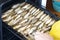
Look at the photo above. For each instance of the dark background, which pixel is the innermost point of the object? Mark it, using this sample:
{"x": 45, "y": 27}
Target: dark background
{"x": 1, "y": 1}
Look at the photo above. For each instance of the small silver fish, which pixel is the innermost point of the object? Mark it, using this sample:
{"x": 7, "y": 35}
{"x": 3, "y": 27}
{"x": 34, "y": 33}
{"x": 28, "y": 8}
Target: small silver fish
{"x": 21, "y": 29}
{"x": 46, "y": 18}
{"x": 23, "y": 21}
{"x": 30, "y": 16}
{"x": 18, "y": 16}
{"x": 20, "y": 11}
{"x": 15, "y": 6}
{"x": 26, "y": 31}
{"x": 17, "y": 9}
{"x": 18, "y": 5}
{"x": 20, "y": 24}
{"x": 51, "y": 23}
{"x": 48, "y": 21}
{"x": 30, "y": 19}
{"x": 27, "y": 15}
{"x": 32, "y": 29}
{"x": 44, "y": 26}
{"x": 34, "y": 20}
{"x": 17, "y": 26}
{"x": 37, "y": 23}
{"x": 28, "y": 26}
{"x": 32, "y": 9}
{"x": 29, "y": 7}
{"x": 13, "y": 22}
{"x": 42, "y": 16}
{"x": 8, "y": 19}
{"x": 7, "y": 13}
{"x": 36, "y": 11}
{"x": 41, "y": 25}
{"x": 26, "y": 6}
{"x": 23, "y": 13}
{"x": 39, "y": 15}
{"x": 22, "y": 4}
{"x": 45, "y": 29}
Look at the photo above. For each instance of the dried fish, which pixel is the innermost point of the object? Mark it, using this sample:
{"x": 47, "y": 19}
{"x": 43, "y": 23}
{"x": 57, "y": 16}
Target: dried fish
{"x": 18, "y": 5}
{"x": 41, "y": 29}
{"x": 51, "y": 23}
{"x": 15, "y": 6}
{"x": 29, "y": 7}
{"x": 32, "y": 29}
{"x": 42, "y": 16}
{"x": 34, "y": 20}
{"x": 17, "y": 9}
{"x": 26, "y": 23}
{"x": 32, "y": 9}
{"x": 14, "y": 22}
{"x": 30, "y": 16}
{"x": 20, "y": 11}
{"x": 45, "y": 29}
{"x": 22, "y": 4}
{"x": 28, "y": 26}
{"x": 27, "y": 15}
{"x": 8, "y": 19}
{"x": 37, "y": 23}
{"x": 13, "y": 17}
{"x": 17, "y": 17}
{"x": 46, "y": 18}
{"x": 30, "y": 19}
{"x": 23, "y": 21}
{"x": 22, "y": 29}
{"x": 39, "y": 15}
{"x": 26, "y": 6}
{"x": 17, "y": 26}
{"x": 41, "y": 25}
{"x": 23, "y": 13}
{"x": 26, "y": 31}
{"x": 36, "y": 12}
{"x": 7, "y": 13}
{"x": 48, "y": 21}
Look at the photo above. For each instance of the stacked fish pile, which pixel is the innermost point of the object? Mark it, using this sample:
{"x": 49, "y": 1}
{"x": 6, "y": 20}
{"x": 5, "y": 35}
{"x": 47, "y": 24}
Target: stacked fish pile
{"x": 27, "y": 19}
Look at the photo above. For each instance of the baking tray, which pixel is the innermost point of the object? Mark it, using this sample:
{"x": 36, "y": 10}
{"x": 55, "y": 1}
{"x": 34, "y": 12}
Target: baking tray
{"x": 8, "y": 4}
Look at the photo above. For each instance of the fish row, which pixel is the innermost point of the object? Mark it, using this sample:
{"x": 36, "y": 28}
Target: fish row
{"x": 27, "y": 19}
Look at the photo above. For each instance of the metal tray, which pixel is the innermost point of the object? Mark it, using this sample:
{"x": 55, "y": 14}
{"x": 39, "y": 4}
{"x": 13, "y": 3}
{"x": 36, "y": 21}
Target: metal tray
{"x": 8, "y": 4}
